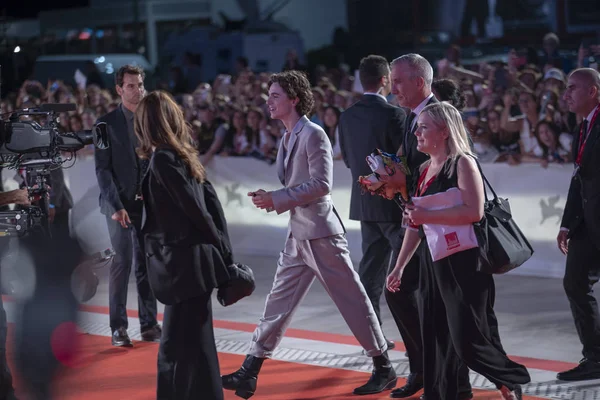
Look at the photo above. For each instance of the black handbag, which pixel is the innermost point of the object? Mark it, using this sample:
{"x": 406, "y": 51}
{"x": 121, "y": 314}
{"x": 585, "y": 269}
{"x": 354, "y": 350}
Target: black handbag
{"x": 503, "y": 247}
{"x": 240, "y": 284}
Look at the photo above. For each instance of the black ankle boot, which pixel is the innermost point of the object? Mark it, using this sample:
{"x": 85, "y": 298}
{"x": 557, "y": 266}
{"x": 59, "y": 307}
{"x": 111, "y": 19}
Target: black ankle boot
{"x": 382, "y": 378}
{"x": 243, "y": 381}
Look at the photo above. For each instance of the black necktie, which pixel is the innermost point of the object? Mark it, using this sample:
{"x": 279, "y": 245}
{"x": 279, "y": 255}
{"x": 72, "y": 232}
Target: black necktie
{"x": 411, "y": 119}
{"x": 408, "y": 132}
{"x": 585, "y": 130}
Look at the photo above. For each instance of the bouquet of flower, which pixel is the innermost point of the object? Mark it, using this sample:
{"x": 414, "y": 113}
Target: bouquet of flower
{"x": 387, "y": 164}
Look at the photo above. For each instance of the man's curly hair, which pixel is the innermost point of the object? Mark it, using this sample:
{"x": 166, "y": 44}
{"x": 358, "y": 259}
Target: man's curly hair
{"x": 296, "y": 85}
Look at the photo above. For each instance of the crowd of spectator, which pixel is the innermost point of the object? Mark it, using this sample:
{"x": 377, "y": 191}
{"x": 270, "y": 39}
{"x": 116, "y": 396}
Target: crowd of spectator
{"x": 513, "y": 106}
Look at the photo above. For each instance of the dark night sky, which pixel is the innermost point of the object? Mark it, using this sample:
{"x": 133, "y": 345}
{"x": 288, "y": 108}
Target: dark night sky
{"x": 30, "y": 8}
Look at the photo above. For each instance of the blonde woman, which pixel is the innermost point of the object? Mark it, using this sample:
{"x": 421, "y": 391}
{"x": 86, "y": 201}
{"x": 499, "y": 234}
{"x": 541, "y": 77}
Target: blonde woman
{"x": 458, "y": 323}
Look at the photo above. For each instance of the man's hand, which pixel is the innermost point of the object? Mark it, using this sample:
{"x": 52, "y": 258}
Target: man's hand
{"x": 563, "y": 242}
{"x": 262, "y": 199}
{"x": 18, "y": 196}
{"x": 396, "y": 181}
{"x": 122, "y": 217}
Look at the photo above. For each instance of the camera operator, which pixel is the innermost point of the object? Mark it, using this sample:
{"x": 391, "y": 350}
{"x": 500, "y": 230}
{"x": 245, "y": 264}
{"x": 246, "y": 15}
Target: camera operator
{"x": 119, "y": 172}
{"x": 20, "y": 197}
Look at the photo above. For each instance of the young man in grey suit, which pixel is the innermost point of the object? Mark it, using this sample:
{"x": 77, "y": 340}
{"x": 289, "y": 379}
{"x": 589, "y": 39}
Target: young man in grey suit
{"x": 316, "y": 245}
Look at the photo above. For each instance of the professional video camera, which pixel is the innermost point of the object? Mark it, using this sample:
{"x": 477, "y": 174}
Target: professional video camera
{"x": 37, "y": 148}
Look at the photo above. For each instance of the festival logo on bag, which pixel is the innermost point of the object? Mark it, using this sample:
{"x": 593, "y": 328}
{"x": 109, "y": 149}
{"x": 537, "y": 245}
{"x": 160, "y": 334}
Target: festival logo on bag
{"x": 452, "y": 240}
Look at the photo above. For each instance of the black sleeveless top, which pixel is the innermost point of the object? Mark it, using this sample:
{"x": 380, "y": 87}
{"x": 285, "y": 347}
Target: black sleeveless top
{"x": 440, "y": 183}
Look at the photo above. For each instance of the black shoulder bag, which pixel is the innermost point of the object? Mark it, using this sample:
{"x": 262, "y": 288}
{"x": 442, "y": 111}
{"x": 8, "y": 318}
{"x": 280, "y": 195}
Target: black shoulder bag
{"x": 503, "y": 247}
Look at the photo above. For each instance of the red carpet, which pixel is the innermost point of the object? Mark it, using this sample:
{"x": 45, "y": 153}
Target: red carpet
{"x": 100, "y": 372}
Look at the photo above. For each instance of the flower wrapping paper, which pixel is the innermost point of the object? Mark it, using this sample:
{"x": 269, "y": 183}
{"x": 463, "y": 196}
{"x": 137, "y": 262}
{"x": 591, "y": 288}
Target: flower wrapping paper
{"x": 381, "y": 163}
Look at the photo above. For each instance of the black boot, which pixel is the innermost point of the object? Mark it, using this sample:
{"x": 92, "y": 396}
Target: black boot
{"x": 243, "y": 381}
{"x": 382, "y": 378}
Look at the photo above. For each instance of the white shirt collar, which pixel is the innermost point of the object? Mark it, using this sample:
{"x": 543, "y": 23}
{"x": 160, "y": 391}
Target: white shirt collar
{"x": 420, "y": 108}
{"x": 422, "y": 105}
{"x": 591, "y": 114}
{"x": 376, "y": 94}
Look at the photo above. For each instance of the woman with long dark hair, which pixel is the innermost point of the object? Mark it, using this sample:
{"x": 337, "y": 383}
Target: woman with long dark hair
{"x": 183, "y": 249}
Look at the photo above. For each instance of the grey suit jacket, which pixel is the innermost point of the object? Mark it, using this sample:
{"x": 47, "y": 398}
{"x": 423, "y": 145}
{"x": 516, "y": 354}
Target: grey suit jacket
{"x": 306, "y": 171}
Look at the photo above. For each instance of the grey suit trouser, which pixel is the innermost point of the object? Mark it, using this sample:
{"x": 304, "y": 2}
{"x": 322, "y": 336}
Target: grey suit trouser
{"x": 328, "y": 260}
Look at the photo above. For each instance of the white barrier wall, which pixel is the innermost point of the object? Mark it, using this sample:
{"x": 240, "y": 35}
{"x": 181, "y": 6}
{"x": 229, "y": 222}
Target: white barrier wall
{"x": 537, "y": 197}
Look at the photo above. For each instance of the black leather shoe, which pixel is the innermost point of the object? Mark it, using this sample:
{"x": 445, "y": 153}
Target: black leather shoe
{"x": 120, "y": 338}
{"x": 244, "y": 380}
{"x": 153, "y": 334}
{"x": 461, "y": 396}
{"x": 414, "y": 383}
{"x": 382, "y": 378}
{"x": 586, "y": 370}
{"x": 390, "y": 344}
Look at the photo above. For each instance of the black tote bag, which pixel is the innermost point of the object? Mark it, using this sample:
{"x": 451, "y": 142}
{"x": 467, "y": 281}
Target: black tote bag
{"x": 503, "y": 247}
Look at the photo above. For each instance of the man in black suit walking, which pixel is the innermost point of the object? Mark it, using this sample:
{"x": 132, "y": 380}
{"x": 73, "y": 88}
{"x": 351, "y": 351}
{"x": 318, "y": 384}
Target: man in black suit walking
{"x": 119, "y": 171}
{"x": 579, "y": 235}
{"x": 412, "y": 76}
{"x": 373, "y": 123}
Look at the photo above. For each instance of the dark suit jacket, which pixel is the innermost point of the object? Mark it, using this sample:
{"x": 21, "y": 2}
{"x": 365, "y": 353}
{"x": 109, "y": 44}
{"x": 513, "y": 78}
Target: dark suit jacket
{"x": 413, "y": 156}
{"x": 117, "y": 167}
{"x": 369, "y": 124}
{"x": 583, "y": 200}
{"x": 183, "y": 244}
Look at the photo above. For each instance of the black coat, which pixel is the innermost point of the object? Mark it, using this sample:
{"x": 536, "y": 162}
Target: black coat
{"x": 186, "y": 250}
{"x": 369, "y": 124}
{"x": 117, "y": 167}
{"x": 583, "y": 200}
